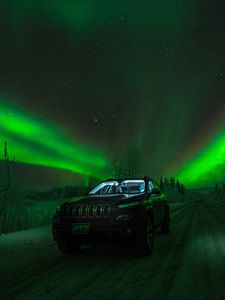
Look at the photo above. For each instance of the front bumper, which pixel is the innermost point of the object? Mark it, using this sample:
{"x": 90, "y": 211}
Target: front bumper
{"x": 100, "y": 231}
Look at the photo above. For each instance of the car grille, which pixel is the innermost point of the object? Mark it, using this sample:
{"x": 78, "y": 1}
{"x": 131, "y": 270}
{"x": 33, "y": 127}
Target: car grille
{"x": 86, "y": 211}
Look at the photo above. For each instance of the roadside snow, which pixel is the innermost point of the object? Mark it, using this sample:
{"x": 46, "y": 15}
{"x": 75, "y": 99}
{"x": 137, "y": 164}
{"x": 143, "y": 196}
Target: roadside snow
{"x": 17, "y": 241}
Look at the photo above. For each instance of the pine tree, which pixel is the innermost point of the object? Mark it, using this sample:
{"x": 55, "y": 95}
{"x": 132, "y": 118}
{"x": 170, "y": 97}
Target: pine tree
{"x": 177, "y": 185}
{"x": 120, "y": 170}
{"x": 161, "y": 184}
{"x": 166, "y": 182}
{"x": 129, "y": 165}
{"x": 133, "y": 160}
{"x": 5, "y": 192}
{"x": 172, "y": 182}
{"x": 217, "y": 188}
{"x": 217, "y": 191}
{"x": 223, "y": 188}
{"x": 182, "y": 189}
{"x": 223, "y": 191}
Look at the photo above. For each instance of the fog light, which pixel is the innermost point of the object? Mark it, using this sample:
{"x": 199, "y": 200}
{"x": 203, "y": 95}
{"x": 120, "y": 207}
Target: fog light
{"x": 123, "y": 218}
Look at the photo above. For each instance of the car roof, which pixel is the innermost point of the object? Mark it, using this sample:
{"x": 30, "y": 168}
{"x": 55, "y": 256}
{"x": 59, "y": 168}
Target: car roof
{"x": 130, "y": 178}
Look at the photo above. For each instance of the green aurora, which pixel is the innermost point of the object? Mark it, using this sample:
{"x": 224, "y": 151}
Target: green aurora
{"x": 207, "y": 164}
{"x": 37, "y": 142}
{"x": 149, "y": 73}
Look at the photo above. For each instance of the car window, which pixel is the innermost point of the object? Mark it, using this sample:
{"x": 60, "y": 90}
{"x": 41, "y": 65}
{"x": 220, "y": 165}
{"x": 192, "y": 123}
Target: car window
{"x": 115, "y": 187}
{"x": 107, "y": 189}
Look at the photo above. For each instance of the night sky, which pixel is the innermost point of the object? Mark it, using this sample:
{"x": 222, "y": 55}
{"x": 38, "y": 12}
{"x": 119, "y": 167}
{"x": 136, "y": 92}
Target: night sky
{"x": 82, "y": 81}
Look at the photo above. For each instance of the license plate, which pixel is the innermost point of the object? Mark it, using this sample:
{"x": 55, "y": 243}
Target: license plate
{"x": 81, "y": 228}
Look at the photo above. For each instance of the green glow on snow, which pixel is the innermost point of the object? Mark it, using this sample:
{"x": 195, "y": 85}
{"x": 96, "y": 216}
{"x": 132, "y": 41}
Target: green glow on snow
{"x": 38, "y": 142}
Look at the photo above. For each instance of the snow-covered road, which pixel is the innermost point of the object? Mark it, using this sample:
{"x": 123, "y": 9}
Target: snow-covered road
{"x": 187, "y": 264}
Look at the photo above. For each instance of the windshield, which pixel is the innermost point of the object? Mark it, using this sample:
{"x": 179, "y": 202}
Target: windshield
{"x": 119, "y": 187}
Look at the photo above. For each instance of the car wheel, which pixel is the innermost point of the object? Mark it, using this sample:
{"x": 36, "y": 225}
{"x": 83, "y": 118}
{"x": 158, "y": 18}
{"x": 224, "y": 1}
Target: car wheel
{"x": 68, "y": 247}
{"x": 165, "y": 226}
{"x": 146, "y": 237}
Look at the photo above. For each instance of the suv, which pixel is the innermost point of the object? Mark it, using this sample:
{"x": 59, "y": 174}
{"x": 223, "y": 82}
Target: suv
{"x": 115, "y": 208}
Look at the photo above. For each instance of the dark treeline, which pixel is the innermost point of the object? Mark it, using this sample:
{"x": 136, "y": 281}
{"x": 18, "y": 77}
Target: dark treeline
{"x": 17, "y": 208}
{"x": 7, "y": 192}
{"x": 219, "y": 192}
{"x": 57, "y": 193}
{"x": 129, "y": 165}
{"x": 171, "y": 184}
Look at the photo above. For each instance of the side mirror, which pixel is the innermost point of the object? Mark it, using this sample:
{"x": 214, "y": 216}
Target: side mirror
{"x": 156, "y": 191}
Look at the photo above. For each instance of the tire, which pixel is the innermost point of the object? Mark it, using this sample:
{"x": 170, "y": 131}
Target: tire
{"x": 68, "y": 247}
{"x": 165, "y": 226}
{"x": 146, "y": 237}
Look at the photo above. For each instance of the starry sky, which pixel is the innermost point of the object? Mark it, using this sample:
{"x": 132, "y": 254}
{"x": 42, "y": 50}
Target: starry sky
{"x": 82, "y": 81}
